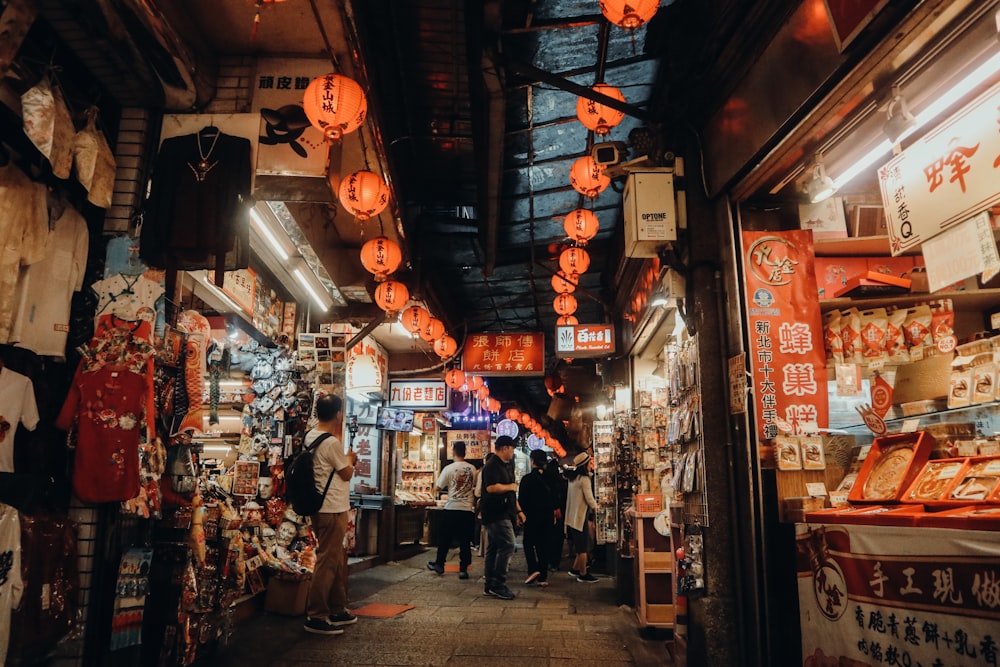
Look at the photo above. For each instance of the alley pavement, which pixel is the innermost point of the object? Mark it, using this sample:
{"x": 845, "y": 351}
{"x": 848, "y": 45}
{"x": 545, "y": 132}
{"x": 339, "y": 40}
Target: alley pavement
{"x": 453, "y": 623}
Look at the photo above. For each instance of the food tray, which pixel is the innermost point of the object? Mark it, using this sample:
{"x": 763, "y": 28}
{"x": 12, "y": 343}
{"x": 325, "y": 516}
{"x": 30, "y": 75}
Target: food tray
{"x": 977, "y": 482}
{"x": 932, "y": 484}
{"x": 890, "y": 467}
{"x": 976, "y": 517}
{"x": 869, "y": 515}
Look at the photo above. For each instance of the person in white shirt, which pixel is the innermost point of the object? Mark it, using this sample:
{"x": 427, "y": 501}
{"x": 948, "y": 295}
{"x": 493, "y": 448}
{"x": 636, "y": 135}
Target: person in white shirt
{"x": 580, "y": 499}
{"x": 458, "y": 518}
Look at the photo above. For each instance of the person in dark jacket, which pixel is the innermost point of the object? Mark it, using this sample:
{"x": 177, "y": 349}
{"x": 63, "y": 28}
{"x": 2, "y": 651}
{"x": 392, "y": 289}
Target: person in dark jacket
{"x": 538, "y": 503}
{"x": 553, "y": 475}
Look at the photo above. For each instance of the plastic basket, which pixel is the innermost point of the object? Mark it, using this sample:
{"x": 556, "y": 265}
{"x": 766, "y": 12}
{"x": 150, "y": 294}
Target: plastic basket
{"x": 646, "y": 503}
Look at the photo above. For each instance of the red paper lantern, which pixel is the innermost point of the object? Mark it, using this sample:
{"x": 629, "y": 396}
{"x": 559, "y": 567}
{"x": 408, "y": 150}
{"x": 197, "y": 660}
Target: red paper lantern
{"x": 493, "y": 405}
{"x": 563, "y": 284}
{"x": 381, "y": 256}
{"x": 445, "y": 346}
{"x": 574, "y": 260}
{"x": 364, "y": 194}
{"x": 433, "y": 330}
{"x": 587, "y": 177}
{"x": 512, "y": 414}
{"x": 567, "y": 321}
{"x": 581, "y": 225}
{"x": 596, "y": 116}
{"x": 629, "y": 14}
{"x": 391, "y": 295}
{"x": 414, "y": 319}
{"x": 454, "y": 378}
{"x": 565, "y": 304}
{"x": 483, "y": 393}
{"x": 335, "y": 105}
{"x": 474, "y": 382}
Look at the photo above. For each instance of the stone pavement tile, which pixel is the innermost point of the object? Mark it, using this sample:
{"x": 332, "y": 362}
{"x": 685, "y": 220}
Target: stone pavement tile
{"x": 589, "y": 652}
{"x": 564, "y": 625}
{"x": 409, "y": 656}
{"x": 513, "y": 652}
{"x": 495, "y": 661}
{"x": 577, "y": 662}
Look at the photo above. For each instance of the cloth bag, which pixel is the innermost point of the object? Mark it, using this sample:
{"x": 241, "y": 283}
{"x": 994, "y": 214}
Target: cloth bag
{"x": 94, "y": 162}
{"x": 48, "y": 124}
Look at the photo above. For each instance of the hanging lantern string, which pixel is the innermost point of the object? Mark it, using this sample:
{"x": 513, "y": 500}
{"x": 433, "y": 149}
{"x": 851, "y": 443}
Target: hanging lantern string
{"x": 326, "y": 38}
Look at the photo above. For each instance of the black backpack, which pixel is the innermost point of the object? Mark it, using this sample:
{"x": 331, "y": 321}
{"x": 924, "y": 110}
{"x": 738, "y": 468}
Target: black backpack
{"x": 300, "y": 481}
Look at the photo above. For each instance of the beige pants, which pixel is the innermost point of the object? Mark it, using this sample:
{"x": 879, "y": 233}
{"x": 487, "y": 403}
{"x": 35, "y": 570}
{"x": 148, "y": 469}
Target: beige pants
{"x": 328, "y": 593}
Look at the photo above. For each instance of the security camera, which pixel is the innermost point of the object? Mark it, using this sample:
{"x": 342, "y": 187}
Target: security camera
{"x": 609, "y": 153}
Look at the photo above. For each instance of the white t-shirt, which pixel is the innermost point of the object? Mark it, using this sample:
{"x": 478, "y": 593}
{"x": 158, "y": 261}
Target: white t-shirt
{"x": 11, "y": 586}
{"x": 17, "y": 404}
{"x": 458, "y": 479}
{"x": 128, "y": 297}
{"x": 330, "y": 456}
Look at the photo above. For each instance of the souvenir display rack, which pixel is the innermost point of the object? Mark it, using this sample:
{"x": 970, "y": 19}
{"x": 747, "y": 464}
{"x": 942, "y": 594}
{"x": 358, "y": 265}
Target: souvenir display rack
{"x": 683, "y": 479}
{"x": 605, "y": 482}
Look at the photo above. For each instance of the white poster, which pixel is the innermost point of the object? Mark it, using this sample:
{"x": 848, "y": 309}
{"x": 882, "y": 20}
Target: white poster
{"x": 965, "y": 250}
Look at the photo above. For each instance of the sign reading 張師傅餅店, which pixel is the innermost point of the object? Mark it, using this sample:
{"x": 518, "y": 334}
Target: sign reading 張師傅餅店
{"x": 418, "y": 394}
{"x": 946, "y": 177}
{"x": 585, "y": 340}
{"x": 504, "y": 354}
{"x": 787, "y": 358}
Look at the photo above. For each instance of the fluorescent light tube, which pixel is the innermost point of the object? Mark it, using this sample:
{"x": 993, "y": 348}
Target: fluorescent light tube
{"x": 307, "y": 286}
{"x": 225, "y": 297}
{"x": 265, "y": 230}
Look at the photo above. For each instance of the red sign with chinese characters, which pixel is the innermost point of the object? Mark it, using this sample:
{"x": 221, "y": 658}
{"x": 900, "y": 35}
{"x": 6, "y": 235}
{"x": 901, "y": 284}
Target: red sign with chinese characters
{"x": 785, "y": 331}
{"x": 585, "y": 340}
{"x": 504, "y": 354}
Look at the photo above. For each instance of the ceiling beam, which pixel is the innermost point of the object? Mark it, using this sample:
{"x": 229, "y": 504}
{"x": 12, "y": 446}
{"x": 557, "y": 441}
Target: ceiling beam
{"x": 532, "y": 72}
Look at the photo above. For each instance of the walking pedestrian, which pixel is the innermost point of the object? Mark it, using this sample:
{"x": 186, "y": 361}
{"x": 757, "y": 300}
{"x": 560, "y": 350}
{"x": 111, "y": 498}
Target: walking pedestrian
{"x": 538, "y": 503}
{"x": 326, "y": 606}
{"x": 500, "y": 513}
{"x": 557, "y": 537}
{"x": 580, "y": 499}
{"x": 458, "y": 517}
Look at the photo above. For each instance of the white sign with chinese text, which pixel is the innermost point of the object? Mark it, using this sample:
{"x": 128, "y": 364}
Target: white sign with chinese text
{"x": 962, "y": 251}
{"x": 420, "y": 394}
{"x": 948, "y": 176}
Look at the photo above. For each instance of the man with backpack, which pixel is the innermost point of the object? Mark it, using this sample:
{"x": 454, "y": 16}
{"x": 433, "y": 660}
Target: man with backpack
{"x": 326, "y": 607}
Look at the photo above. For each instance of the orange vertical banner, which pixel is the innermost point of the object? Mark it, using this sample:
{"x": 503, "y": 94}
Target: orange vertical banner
{"x": 786, "y": 332}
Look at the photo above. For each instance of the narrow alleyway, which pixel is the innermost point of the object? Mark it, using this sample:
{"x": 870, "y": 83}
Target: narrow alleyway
{"x": 452, "y": 623}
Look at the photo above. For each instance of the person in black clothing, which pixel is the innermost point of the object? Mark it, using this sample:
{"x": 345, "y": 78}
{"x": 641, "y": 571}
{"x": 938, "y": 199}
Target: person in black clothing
{"x": 553, "y": 475}
{"x": 538, "y": 503}
{"x": 500, "y": 512}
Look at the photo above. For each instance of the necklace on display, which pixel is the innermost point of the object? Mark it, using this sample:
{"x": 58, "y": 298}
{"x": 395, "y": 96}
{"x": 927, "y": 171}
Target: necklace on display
{"x": 201, "y": 169}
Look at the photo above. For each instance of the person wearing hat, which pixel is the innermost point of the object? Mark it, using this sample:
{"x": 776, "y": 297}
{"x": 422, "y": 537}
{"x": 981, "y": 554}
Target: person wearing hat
{"x": 500, "y": 511}
{"x": 579, "y": 499}
{"x": 539, "y": 503}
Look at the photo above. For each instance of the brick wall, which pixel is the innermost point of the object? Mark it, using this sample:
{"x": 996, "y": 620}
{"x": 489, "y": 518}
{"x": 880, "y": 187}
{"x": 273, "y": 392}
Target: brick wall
{"x": 130, "y": 159}
{"x": 233, "y": 89}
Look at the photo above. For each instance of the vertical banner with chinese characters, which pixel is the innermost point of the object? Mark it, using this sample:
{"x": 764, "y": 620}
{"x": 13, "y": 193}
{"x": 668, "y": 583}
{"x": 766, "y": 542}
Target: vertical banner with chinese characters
{"x": 785, "y": 330}
{"x": 504, "y": 354}
{"x": 884, "y": 595}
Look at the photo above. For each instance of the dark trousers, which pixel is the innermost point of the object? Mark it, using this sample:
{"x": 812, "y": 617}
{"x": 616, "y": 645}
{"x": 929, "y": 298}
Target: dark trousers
{"x": 556, "y": 539}
{"x": 499, "y": 547}
{"x": 455, "y": 524}
{"x": 536, "y": 546}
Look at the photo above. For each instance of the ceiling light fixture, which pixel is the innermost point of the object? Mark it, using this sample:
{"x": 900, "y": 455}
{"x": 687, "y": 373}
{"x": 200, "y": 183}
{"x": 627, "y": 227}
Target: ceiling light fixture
{"x": 323, "y": 304}
{"x": 820, "y": 187}
{"x": 898, "y": 120}
{"x": 268, "y": 235}
{"x": 659, "y": 298}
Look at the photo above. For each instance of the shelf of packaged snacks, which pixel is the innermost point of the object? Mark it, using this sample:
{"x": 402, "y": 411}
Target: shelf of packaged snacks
{"x": 854, "y": 246}
{"x": 977, "y": 299}
{"x": 968, "y": 413}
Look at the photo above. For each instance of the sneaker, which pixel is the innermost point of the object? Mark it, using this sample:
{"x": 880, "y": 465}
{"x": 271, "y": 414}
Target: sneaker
{"x": 434, "y": 567}
{"x": 543, "y": 584}
{"x": 346, "y": 618}
{"x": 464, "y": 574}
{"x": 573, "y": 573}
{"x": 321, "y": 626}
{"x": 531, "y": 577}
{"x": 588, "y": 578}
{"x": 502, "y": 593}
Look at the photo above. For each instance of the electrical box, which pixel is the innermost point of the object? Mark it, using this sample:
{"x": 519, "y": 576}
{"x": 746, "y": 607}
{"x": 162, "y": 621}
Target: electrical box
{"x": 650, "y": 212}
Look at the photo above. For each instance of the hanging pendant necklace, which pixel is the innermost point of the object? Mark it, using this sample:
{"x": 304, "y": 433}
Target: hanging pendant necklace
{"x": 201, "y": 169}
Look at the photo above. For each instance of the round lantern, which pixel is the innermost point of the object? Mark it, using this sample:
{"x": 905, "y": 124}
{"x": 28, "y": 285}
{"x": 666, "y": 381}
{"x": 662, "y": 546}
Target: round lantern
{"x": 474, "y": 382}
{"x": 567, "y": 321}
{"x": 433, "y": 330}
{"x": 507, "y": 427}
{"x": 391, "y": 295}
{"x": 512, "y": 413}
{"x": 414, "y": 319}
{"x": 563, "y": 284}
{"x": 335, "y": 105}
{"x": 596, "y": 116}
{"x": 364, "y": 194}
{"x": 454, "y": 378}
{"x": 574, "y": 260}
{"x": 565, "y": 304}
{"x": 483, "y": 393}
{"x": 445, "y": 346}
{"x": 493, "y": 405}
{"x": 629, "y": 14}
{"x": 587, "y": 177}
{"x": 581, "y": 225}
{"x": 381, "y": 256}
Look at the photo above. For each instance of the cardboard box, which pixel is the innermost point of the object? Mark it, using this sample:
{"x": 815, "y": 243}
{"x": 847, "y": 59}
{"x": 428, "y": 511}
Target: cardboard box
{"x": 923, "y": 380}
{"x": 287, "y": 596}
{"x": 871, "y": 283}
{"x": 897, "y": 267}
{"x": 832, "y": 273}
{"x": 890, "y": 467}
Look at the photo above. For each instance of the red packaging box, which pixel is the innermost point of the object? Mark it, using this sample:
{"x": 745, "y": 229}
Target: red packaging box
{"x": 934, "y": 481}
{"x": 832, "y": 273}
{"x": 890, "y": 467}
{"x": 893, "y": 266}
{"x": 869, "y": 515}
{"x": 977, "y": 482}
{"x": 976, "y": 517}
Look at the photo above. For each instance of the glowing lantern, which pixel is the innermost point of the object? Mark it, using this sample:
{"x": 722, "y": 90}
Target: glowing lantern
{"x": 433, "y": 330}
{"x": 581, "y": 225}
{"x": 335, "y": 105}
{"x": 381, "y": 256}
{"x": 587, "y": 177}
{"x": 454, "y": 378}
{"x": 474, "y": 382}
{"x": 574, "y": 260}
{"x": 445, "y": 346}
{"x": 629, "y": 14}
{"x": 565, "y": 304}
{"x": 414, "y": 319}
{"x": 493, "y": 405}
{"x": 596, "y": 116}
{"x": 563, "y": 284}
{"x": 391, "y": 295}
{"x": 483, "y": 393}
{"x": 512, "y": 413}
{"x": 567, "y": 321}
{"x": 364, "y": 194}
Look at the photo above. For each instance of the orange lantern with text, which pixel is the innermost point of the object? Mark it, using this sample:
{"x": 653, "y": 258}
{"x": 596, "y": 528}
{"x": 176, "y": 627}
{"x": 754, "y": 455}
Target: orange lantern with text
{"x": 581, "y": 225}
{"x": 433, "y": 330}
{"x": 565, "y": 304}
{"x": 381, "y": 256}
{"x": 474, "y": 382}
{"x": 493, "y": 405}
{"x": 391, "y": 295}
{"x": 454, "y": 378}
{"x": 335, "y": 105}
{"x": 414, "y": 319}
{"x": 574, "y": 260}
{"x": 445, "y": 346}
{"x": 364, "y": 194}
{"x": 629, "y": 14}
{"x": 565, "y": 284}
{"x": 587, "y": 177}
{"x": 567, "y": 321}
{"x": 512, "y": 414}
{"x": 596, "y": 116}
